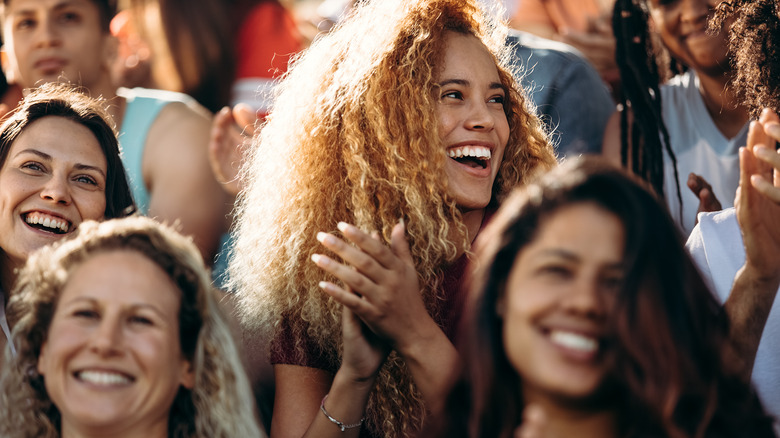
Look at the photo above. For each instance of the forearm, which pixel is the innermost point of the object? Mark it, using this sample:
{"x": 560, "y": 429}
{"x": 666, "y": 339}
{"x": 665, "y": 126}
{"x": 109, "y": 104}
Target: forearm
{"x": 433, "y": 362}
{"x": 748, "y": 308}
{"x": 346, "y": 402}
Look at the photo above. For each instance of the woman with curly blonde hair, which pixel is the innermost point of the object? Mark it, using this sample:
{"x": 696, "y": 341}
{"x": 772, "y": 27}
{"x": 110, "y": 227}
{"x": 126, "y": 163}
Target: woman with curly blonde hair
{"x": 404, "y": 113}
{"x": 118, "y": 333}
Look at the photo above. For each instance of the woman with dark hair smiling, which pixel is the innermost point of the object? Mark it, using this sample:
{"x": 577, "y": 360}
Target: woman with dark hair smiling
{"x": 59, "y": 166}
{"x": 585, "y": 317}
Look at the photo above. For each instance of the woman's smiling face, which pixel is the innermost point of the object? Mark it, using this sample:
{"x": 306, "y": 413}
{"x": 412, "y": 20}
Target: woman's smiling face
{"x": 112, "y": 360}
{"x": 472, "y": 121}
{"x": 53, "y": 178}
{"x": 557, "y": 301}
{"x": 682, "y": 26}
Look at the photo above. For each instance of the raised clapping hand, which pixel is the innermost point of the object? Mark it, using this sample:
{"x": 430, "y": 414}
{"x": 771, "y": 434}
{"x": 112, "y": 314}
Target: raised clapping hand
{"x": 230, "y": 132}
{"x": 382, "y": 287}
{"x": 703, "y": 190}
{"x": 758, "y": 198}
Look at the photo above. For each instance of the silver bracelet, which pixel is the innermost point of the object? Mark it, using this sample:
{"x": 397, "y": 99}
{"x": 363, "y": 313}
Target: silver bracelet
{"x": 338, "y": 423}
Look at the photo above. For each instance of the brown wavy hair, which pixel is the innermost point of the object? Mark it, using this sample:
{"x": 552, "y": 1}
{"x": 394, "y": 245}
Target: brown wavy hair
{"x": 219, "y": 405}
{"x": 754, "y": 41}
{"x": 353, "y": 136}
{"x": 670, "y": 372}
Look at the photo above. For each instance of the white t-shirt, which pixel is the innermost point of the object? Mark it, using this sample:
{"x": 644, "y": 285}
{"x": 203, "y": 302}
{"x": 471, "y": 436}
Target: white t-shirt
{"x": 716, "y": 247}
{"x": 699, "y": 147}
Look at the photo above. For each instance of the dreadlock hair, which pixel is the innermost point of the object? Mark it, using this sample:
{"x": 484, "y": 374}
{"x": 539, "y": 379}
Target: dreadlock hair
{"x": 754, "y": 42}
{"x": 643, "y": 64}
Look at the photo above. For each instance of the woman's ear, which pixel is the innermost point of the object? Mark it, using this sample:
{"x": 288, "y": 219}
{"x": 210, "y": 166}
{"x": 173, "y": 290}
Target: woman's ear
{"x": 187, "y": 375}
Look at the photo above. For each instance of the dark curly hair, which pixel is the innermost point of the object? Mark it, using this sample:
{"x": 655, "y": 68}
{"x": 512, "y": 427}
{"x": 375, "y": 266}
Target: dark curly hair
{"x": 754, "y": 41}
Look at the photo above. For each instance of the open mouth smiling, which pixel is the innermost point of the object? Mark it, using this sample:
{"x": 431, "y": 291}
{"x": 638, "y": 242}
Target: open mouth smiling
{"x": 46, "y": 222}
{"x": 103, "y": 378}
{"x": 472, "y": 156}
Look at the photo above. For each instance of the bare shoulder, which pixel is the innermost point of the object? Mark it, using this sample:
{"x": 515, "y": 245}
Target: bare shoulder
{"x": 179, "y": 178}
{"x": 612, "y": 132}
{"x": 181, "y": 133}
{"x": 181, "y": 123}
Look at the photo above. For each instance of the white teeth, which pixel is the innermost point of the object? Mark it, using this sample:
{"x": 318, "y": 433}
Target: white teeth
{"x": 103, "y": 378}
{"x": 469, "y": 151}
{"x": 574, "y": 341}
{"x": 47, "y": 221}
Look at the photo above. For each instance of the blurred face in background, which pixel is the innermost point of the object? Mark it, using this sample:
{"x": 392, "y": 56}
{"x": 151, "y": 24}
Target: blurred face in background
{"x": 556, "y": 303}
{"x": 682, "y": 26}
{"x": 54, "y": 40}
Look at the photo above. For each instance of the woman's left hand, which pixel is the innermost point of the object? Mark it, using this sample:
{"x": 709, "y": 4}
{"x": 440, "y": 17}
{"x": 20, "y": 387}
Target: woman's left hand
{"x": 385, "y": 290}
{"x": 758, "y": 198}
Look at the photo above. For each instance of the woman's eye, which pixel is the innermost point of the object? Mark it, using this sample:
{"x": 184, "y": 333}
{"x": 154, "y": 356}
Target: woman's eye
{"x": 556, "y": 271}
{"x": 86, "y": 180}
{"x": 140, "y": 320}
{"x": 86, "y": 314}
{"x": 25, "y": 24}
{"x": 612, "y": 282}
{"x": 70, "y": 17}
{"x": 497, "y": 99}
{"x": 453, "y": 95}
{"x": 31, "y": 165}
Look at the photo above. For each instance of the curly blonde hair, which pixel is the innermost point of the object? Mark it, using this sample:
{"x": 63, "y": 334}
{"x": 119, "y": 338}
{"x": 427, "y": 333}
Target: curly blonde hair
{"x": 353, "y": 136}
{"x": 219, "y": 405}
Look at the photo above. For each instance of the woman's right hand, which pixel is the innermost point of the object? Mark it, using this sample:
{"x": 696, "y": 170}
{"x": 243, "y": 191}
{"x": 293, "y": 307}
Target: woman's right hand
{"x": 364, "y": 351}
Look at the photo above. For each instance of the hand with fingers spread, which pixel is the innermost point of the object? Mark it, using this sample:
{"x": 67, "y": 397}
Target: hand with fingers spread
{"x": 382, "y": 287}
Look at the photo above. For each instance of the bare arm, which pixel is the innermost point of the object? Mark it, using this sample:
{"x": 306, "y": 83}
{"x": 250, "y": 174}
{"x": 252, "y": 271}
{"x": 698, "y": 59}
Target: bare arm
{"x": 758, "y": 209}
{"x": 301, "y": 390}
{"x": 178, "y": 175}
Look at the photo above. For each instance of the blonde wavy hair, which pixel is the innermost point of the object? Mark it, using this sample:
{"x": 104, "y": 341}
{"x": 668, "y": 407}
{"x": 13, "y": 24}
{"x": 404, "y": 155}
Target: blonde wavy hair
{"x": 353, "y": 136}
{"x": 219, "y": 405}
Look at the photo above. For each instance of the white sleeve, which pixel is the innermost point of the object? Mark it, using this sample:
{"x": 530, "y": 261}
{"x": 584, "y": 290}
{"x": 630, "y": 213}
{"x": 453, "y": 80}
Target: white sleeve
{"x": 695, "y": 247}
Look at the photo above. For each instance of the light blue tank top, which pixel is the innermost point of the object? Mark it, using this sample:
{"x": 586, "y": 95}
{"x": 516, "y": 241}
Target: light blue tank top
{"x": 143, "y": 107}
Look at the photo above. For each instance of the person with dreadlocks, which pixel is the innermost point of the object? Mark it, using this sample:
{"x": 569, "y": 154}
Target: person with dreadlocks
{"x": 402, "y": 129}
{"x": 686, "y": 131}
{"x": 738, "y": 249}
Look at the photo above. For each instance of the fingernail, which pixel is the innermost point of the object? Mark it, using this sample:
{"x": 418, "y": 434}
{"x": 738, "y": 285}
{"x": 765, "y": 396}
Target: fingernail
{"x": 762, "y": 152}
{"x": 318, "y": 259}
{"x": 342, "y": 226}
{"x": 324, "y": 237}
{"x": 773, "y": 129}
{"x": 323, "y": 285}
